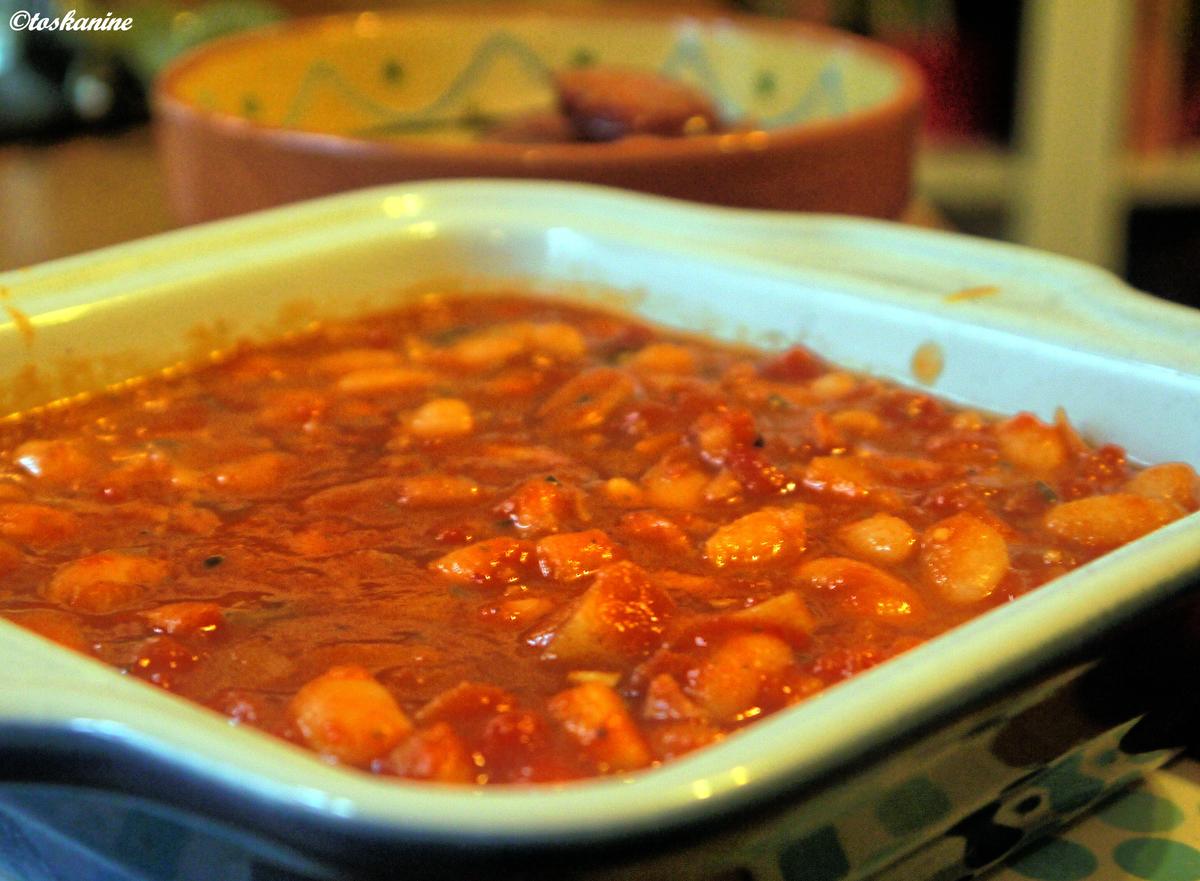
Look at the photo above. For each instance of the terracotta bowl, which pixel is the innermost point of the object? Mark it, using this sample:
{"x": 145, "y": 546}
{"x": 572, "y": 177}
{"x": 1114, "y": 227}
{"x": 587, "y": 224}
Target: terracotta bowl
{"x": 823, "y": 121}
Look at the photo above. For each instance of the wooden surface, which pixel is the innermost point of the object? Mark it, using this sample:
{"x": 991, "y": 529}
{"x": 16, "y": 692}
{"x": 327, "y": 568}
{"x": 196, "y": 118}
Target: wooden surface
{"x": 84, "y": 193}
{"x": 77, "y": 195}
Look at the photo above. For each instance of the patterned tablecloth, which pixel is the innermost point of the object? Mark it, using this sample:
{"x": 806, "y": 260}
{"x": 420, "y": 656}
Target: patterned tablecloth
{"x": 1151, "y": 832}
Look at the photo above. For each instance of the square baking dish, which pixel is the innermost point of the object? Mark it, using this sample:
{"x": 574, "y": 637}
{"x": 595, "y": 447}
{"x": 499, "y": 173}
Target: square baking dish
{"x": 936, "y": 764}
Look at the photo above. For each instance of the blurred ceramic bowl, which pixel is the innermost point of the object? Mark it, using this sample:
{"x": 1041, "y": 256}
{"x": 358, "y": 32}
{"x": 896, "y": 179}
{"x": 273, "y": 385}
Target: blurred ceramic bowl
{"x": 819, "y": 120}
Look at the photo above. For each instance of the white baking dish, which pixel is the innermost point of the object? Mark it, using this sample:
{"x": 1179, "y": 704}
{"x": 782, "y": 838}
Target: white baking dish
{"x": 1045, "y": 333}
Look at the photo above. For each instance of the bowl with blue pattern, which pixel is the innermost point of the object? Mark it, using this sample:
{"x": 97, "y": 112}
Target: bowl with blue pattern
{"x": 802, "y": 118}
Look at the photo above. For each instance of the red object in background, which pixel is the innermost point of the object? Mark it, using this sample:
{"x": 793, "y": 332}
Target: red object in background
{"x": 968, "y": 54}
{"x": 953, "y": 109}
{"x": 1156, "y": 88}
{"x": 1191, "y": 116}
{"x": 1189, "y": 89}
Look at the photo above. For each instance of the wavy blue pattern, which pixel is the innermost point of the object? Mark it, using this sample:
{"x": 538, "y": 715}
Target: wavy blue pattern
{"x": 827, "y": 84}
{"x": 688, "y": 58}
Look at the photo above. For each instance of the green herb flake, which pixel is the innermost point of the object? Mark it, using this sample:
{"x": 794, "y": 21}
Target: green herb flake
{"x": 393, "y": 71}
{"x": 583, "y": 57}
{"x": 449, "y": 335}
{"x": 765, "y": 84}
{"x": 1046, "y": 491}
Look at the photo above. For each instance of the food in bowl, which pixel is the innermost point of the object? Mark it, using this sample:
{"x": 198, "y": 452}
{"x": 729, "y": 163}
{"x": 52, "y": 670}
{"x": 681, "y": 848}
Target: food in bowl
{"x": 610, "y": 103}
{"x": 512, "y": 540}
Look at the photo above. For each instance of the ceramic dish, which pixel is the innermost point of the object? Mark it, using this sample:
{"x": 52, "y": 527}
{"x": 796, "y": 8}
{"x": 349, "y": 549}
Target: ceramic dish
{"x": 938, "y": 762}
{"x": 824, "y": 121}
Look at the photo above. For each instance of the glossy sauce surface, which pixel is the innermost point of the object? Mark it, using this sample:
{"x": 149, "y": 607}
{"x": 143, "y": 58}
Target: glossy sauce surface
{"x": 514, "y": 540}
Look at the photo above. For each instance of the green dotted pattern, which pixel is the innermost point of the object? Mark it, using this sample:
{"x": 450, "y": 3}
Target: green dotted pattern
{"x": 1151, "y": 833}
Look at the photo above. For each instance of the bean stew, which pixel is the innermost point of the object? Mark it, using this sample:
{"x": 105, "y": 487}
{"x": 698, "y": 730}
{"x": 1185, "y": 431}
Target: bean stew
{"x": 512, "y": 540}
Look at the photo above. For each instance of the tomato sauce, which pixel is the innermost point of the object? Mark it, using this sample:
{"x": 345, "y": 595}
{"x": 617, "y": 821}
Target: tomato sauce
{"x": 514, "y": 540}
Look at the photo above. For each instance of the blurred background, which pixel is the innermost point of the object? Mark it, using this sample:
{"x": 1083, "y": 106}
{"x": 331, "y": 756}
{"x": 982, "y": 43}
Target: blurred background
{"x": 1069, "y": 125}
